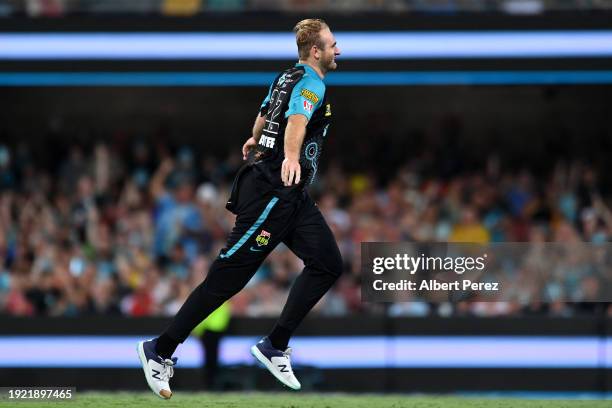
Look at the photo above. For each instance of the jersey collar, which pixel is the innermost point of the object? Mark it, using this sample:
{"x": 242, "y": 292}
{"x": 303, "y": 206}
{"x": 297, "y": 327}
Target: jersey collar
{"x": 309, "y": 69}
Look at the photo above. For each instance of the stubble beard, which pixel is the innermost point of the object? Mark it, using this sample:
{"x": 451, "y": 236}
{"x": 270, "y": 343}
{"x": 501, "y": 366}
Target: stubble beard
{"x": 329, "y": 65}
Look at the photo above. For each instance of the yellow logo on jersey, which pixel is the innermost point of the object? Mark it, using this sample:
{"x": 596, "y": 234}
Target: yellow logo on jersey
{"x": 328, "y": 109}
{"x": 311, "y": 96}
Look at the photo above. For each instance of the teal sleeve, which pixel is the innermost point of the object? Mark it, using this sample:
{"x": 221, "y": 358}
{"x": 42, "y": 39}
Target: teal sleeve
{"x": 306, "y": 97}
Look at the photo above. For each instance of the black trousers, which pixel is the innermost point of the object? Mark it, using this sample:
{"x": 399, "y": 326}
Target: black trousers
{"x": 263, "y": 221}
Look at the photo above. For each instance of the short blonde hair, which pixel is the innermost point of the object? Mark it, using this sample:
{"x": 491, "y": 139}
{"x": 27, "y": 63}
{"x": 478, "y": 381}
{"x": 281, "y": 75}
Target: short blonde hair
{"x": 307, "y": 34}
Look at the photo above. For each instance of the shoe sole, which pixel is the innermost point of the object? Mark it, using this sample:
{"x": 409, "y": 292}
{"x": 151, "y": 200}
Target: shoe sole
{"x": 143, "y": 362}
{"x": 263, "y": 360}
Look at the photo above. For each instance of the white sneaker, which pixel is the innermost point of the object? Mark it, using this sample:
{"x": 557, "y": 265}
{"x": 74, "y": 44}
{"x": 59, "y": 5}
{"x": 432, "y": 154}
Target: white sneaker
{"x": 278, "y": 362}
{"x": 158, "y": 370}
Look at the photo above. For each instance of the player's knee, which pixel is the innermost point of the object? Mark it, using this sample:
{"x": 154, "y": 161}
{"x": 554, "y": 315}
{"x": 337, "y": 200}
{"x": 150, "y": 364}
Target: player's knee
{"x": 218, "y": 282}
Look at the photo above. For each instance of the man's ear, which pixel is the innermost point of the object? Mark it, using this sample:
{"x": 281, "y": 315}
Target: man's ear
{"x": 316, "y": 52}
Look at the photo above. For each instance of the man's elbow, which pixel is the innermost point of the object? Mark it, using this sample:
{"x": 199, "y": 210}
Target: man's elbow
{"x": 297, "y": 121}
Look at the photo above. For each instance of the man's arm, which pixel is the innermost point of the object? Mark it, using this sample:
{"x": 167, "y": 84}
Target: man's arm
{"x": 156, "y": 186}
{"x": 252, "y": 141}
{"x": 294, "y": 137}
{"x": 306, "y": 97}
{"x": 260, "y": 122}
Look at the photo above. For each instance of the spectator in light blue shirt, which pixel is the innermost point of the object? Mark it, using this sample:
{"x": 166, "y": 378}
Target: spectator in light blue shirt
{"x": 177, "y": 218}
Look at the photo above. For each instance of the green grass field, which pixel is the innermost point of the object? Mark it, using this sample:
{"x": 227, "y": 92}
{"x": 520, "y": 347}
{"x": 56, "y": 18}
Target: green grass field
{"x": 295, "y": 400}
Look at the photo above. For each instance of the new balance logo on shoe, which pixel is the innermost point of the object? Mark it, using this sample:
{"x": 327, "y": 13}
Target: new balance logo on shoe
{"x": 157, "y": 371}
{"x": 276, "y": 361}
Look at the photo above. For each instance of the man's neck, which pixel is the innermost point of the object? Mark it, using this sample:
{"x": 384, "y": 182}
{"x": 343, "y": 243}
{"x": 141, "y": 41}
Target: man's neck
{"x": 318, "y": 70}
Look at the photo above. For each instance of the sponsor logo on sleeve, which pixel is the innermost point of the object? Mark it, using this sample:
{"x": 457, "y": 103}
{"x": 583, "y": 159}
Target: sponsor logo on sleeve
{"x": 311, "y": 96}
{"x": 307, "y": 106}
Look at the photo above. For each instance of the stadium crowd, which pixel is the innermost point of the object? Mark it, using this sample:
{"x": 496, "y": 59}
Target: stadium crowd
{"x": 60, "y": 8}
{"x": 132, "y": 229}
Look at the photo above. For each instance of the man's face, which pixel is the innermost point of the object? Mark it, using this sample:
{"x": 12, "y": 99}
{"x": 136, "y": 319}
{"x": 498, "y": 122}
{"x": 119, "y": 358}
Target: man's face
{"x": 327, "y": 55}
{"x": 184, "y": 193}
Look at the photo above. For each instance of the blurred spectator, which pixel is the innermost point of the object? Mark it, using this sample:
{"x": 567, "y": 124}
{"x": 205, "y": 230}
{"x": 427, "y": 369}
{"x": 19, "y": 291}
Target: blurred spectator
{"x": 469, "y": 228}
{"x": 177, "y": 219}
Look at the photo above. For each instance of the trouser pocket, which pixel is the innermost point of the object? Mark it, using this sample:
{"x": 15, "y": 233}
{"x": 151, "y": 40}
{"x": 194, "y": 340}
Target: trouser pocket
{"x": 232, "y": 202}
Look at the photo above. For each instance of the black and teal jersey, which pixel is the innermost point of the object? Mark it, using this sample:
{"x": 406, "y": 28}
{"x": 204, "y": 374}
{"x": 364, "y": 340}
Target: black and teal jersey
{"x": 298, "y": 90}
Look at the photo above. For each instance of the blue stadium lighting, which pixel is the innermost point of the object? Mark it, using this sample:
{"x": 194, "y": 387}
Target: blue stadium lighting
{"x": 279, "y": 46}
{"x": 325, "y": 352}
{"x": 371, "y": 78}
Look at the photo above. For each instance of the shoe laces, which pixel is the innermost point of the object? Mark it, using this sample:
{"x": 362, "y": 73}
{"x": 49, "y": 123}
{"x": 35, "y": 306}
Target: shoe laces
{"x": 168, "y": 368}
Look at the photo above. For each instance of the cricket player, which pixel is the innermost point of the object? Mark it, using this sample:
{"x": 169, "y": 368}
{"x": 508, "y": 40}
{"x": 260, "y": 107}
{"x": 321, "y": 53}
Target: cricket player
{"x": 272, "y": 206}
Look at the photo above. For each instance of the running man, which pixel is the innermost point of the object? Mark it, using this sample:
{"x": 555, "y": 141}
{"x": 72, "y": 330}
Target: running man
{"x": 272, "y": 206}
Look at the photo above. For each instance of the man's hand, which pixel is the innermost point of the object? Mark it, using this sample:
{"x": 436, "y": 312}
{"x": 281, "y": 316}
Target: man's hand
{"x": 247, "y": 146}
{"x": 290, "y": 170}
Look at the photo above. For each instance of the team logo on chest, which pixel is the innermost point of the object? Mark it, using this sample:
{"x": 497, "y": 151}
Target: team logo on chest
{"x": 263, "y": 238}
